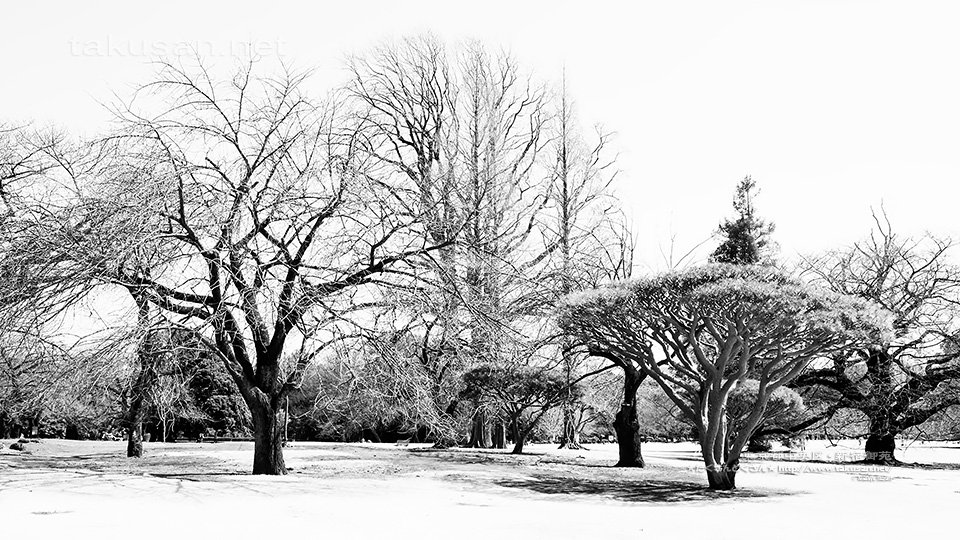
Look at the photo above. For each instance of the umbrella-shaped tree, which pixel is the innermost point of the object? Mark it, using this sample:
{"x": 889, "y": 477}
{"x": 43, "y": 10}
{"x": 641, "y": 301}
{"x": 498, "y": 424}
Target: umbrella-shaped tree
{"x": 702, "y": 332}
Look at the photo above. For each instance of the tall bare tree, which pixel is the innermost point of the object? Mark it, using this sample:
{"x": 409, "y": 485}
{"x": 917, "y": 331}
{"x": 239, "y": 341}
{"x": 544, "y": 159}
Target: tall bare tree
{"x": 467, "y": 129}
{"x": 88, "y": 214}
{"x": 503, "y": 114}
{"x": 41, "y": 277}
{"x": 583, "y": 228}
{"x": 279, "y": 229}
{"x": 408, "y": 95}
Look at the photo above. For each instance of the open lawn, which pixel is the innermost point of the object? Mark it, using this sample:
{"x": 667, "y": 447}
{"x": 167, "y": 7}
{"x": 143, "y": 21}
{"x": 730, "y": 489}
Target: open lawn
{"x": 89, "y": 490}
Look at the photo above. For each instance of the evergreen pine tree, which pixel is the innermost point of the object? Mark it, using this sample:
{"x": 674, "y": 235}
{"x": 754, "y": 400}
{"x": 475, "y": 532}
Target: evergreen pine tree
{"x": 746, "y": 238}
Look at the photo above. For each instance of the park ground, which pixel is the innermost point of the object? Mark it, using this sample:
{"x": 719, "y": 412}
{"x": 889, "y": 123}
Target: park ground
{"x": 87, "y": 489}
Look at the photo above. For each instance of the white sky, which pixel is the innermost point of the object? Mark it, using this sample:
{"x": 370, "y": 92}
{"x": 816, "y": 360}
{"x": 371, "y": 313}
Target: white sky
{"x": 832, "y": 106}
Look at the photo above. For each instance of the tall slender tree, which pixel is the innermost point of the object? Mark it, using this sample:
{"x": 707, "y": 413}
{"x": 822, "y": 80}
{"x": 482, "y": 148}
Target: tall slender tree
{"x": 477, "y": 121}
{"x": 745, "y": 238}
{"x": 408, "y": 92}
{"x": 584, "y": 229}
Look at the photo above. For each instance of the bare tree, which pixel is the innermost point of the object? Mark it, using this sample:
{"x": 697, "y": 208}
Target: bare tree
{"x": 24, "y": 155}
{"x": 503, "y": 117}
{"x": 88, "y": 214}
{"x": 144, "y": 383}
{"x": 280, "y": 230}
{"x": 408, "y": 97}
{"x": 467, "y": 132}
{"x": 905, "y": 380}
{"x": 170, "y": 397}
{"x": 43, "y": 276}
{"x": 44, "y": 381}
{"x": 584, "y": 230}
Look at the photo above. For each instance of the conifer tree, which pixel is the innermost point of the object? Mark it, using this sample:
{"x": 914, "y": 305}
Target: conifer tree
{"x": 746, "y": 238}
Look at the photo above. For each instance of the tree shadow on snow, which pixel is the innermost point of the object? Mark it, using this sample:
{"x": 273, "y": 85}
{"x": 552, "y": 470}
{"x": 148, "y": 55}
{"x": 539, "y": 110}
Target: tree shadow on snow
{"x": 648, "y": 491}
{"x": 199, "y": 476}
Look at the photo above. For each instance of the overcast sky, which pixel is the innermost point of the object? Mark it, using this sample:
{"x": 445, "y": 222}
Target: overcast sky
{"x": 832, "y": 106}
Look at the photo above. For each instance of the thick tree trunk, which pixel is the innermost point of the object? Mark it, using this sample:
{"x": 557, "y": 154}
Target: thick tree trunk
{"x": 881, "y": 443}
{"x": 723, "y": 479}
{"x": 267, "y": 440}
{"x": 626, "y": 423}
{"x": 145, "y": 381}
{"x": 518, "y": 437}
{"x": 480, "y": 432}
{"x": 137, "y": 408}
{"x": 499, "y": 434}
{"x": 879, "y": 448}
{"x": 135, "y": 439}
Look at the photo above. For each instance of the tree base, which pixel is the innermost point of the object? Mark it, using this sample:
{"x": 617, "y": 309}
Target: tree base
{"x": 134, "y": 443}
{"x": 722, "y": 480}
{"x": 267, "y": 442}
{"x": 628, "y": 439}
{"x": 879, "y": 450}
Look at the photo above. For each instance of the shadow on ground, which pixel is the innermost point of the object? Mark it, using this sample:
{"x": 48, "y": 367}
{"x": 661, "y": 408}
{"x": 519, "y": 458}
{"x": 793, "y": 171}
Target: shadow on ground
{"x": 113, "y": 463}
{"x": 650, "y": 491}
{"x": 472, "y": 456}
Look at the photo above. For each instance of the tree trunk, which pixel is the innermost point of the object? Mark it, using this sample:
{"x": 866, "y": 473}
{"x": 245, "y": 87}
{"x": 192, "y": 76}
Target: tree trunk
{"x": 518, "y": 436}
{"x": 570, "y": 429}
{"x": 879, "y": 448}
{"x": 723, "y": 479}
{"x": 145, "y": 381}
{"x": 480, "y": 432}
{"x": 626, "y": 423}
{"x": 881, "y": 443}
{"x": 570, "y": 436}
{"x": 135, "y": 439}
{"x": 267, "y": 440}
{"x": 137, "y": 409}
{"x": 499, "y": 434}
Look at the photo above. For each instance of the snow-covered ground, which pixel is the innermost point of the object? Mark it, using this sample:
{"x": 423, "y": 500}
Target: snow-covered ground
{"x": 88, "y": 490}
